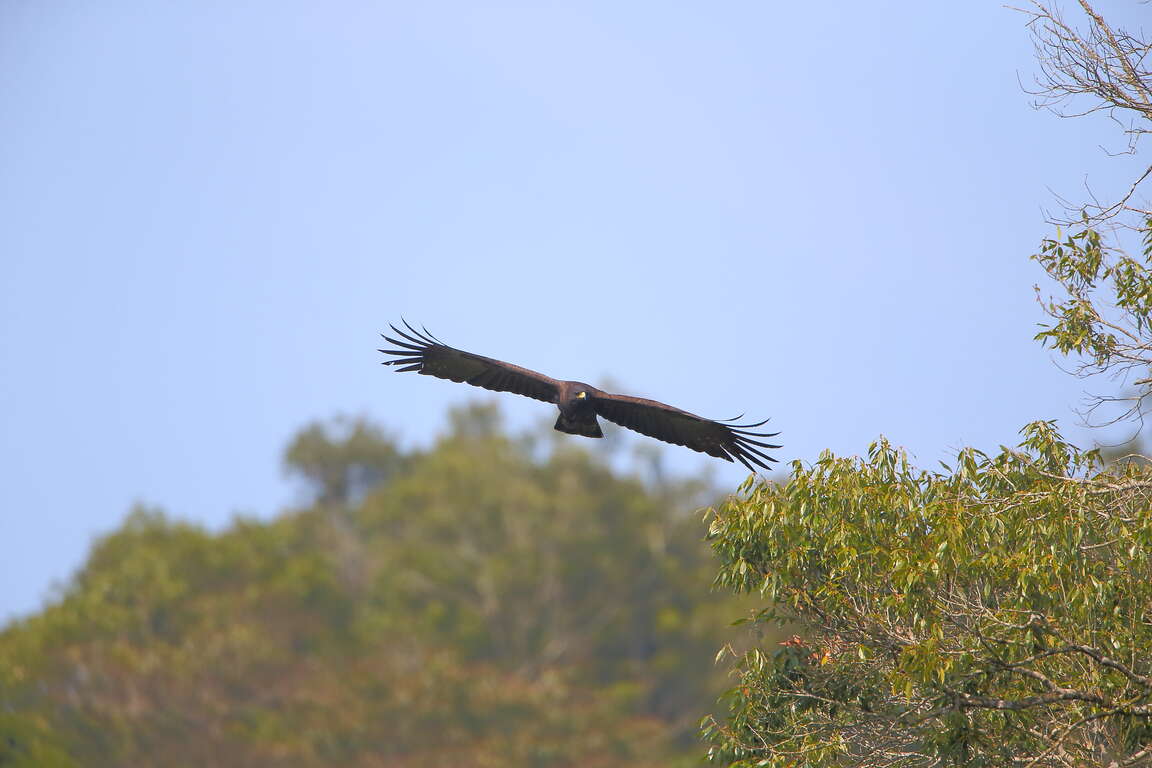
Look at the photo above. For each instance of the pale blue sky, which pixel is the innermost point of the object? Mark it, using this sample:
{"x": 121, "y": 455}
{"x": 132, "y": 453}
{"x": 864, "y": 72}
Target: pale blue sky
{"x": 818, "y": 212}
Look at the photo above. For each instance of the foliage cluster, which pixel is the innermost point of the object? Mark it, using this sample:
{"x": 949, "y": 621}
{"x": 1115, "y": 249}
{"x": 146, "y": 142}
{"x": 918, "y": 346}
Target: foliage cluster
{"x": 992, "y": 613}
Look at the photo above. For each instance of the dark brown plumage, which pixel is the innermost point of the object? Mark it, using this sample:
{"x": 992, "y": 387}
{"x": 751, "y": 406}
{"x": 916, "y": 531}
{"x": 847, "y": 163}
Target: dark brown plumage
{"x": 580, "y": 403}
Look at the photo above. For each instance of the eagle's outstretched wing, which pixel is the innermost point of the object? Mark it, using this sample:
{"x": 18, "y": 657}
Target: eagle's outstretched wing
{"x": 672, "y": 425}
{"x": 422, "y": 352}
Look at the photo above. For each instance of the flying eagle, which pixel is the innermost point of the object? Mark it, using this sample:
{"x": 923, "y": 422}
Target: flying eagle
{"x": 580, "y": 403}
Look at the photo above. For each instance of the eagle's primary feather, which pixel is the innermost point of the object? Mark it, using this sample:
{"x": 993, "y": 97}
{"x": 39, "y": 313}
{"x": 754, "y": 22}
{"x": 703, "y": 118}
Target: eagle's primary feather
{"x": 580, "y": 403}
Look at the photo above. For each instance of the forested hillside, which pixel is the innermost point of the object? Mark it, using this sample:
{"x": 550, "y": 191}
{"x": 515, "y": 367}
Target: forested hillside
{"x": 474, "y": 604}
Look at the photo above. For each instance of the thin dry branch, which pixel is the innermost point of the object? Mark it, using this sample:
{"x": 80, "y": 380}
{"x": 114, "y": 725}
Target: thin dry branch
{"x": 1097, "y": 68}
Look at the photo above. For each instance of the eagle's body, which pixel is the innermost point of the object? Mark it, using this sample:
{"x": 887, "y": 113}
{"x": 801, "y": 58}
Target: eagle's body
{"x": 577, "y": 414}
{"x": 580, "y": 404}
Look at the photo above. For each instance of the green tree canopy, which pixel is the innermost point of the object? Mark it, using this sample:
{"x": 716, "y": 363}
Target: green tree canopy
{"x": 991, "y": 613}
{"x": 342, "y": 461}
{"x": 465, "y": 605}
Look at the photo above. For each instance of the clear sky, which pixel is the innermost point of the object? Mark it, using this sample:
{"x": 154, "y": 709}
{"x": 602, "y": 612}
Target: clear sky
{"x": 818, "y": 212}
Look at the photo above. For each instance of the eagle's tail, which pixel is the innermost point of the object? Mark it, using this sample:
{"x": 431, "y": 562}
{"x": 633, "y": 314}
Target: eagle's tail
{"x": 587, "y": 427}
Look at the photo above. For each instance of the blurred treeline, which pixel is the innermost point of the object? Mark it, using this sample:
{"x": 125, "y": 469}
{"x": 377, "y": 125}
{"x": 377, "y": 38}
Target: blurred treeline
{"x": 486, "y": 602}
